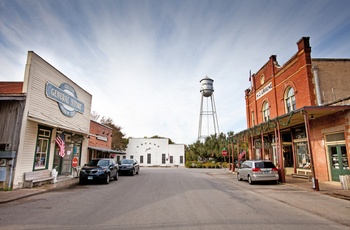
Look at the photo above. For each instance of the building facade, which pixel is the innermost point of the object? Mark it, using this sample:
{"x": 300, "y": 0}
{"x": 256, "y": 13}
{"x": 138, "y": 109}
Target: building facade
{"x": 12, "y": 102}
{"x": 100, "y": 142}
{"x": 298, "y": 115}
{"x": 54, "y": 106}
{"x": 155, "y": 152}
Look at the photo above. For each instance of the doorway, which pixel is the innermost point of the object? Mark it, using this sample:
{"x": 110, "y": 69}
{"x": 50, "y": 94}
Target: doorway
{"x": 339, "y": 163}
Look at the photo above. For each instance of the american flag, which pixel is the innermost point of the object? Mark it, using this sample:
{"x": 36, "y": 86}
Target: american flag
{"x": 241, "y": 155}
{"x": 60, "y": 142}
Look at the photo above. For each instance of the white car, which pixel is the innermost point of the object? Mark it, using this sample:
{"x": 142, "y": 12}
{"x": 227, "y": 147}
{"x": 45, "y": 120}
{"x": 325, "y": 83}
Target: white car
{"x": 258, "y": 170}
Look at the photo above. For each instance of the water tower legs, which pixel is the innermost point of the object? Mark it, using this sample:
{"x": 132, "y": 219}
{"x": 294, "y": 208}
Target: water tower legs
{"x": 210, "y": 112}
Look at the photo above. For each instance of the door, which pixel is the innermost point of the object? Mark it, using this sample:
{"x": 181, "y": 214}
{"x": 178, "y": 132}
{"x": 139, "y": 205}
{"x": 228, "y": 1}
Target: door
{"x": 339, "y": 163}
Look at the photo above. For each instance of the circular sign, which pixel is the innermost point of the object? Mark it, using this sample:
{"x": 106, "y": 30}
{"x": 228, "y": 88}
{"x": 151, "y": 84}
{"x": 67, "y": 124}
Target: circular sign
{"x": 224, "y": 153}
{"x": 75, "y": 162}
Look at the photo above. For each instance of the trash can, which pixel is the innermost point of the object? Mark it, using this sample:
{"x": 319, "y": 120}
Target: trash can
{"x": 345, "y": 181}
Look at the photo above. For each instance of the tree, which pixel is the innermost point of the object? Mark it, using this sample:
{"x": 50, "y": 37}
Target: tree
{"x": 119, "y": 142}
{"x": 211, "y": 147}
{"x": 95, "y": 116}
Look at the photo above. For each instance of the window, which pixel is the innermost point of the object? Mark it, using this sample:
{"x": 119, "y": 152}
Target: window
{"x": 252, "y": 117}
{"x": 303, "y": 156}
{"x": 266, "y": 111}
{"x": 42, "y": 148}
{"x": 141, "y": 159}
{"x": 289, "y": 99}
{"x": 163, "y": 158}
{"x": 171, "y": 160}
{"x": 181, "y": 159}
{"x": 131, "y": 157}
{"x": 148, "y": 158}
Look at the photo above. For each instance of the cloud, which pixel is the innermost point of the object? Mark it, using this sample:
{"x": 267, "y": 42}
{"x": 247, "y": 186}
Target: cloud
{"x": 142, "y": 60}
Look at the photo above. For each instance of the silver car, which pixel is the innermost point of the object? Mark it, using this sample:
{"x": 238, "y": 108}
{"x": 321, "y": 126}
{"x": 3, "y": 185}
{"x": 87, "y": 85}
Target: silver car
{"x": 258, "y": 170}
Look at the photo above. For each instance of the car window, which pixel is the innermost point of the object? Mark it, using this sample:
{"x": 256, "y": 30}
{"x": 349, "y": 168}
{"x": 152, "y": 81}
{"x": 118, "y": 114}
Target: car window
{"x": 269, "y": 165}
{"x": 126, "y": 161}
{"x": 103, "y": 163}
{"x": 93, "y": 163}
{"x": 264, "y": 164}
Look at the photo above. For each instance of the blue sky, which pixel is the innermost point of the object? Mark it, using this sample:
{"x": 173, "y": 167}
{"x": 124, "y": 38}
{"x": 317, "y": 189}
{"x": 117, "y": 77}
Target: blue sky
{"x": 142, "y": 60}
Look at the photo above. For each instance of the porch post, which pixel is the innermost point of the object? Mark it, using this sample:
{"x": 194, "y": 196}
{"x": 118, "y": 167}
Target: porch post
{"x": 280, "y": 155}
{"x": 315, "y": 185}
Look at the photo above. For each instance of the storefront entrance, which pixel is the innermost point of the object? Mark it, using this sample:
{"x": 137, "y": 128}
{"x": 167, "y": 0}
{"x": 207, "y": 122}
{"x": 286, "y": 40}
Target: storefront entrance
{"x": 73, "y": 149}
{"x": 339, "y": 163}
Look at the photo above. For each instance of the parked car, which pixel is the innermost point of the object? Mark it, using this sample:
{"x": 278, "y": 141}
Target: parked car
{"x": 129, "y": 166}
{"x": 258, "y": 170}
{"x": 99, "y": 169}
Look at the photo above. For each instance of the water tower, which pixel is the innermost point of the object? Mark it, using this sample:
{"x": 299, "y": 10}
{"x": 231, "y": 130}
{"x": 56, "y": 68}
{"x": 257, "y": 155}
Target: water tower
{"x": 207, "y": 111}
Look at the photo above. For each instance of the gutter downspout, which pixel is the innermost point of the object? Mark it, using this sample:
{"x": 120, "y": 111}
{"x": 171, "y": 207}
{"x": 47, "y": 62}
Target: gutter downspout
{"x": 317, "y": 85}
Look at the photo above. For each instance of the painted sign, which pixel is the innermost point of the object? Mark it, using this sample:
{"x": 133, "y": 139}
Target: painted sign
{"x": 66, "y": 98}
{"x": 264, "y": 90}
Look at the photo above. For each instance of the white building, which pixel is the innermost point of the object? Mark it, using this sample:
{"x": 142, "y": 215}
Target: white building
{"x": 155, "y": 152}
{"x": 54, "y": 105}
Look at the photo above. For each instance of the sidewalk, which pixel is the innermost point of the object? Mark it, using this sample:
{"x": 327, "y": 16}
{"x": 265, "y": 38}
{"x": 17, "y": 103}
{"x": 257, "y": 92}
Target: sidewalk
{"x": 62, "y": 183}
{"x": 333, "y": 189}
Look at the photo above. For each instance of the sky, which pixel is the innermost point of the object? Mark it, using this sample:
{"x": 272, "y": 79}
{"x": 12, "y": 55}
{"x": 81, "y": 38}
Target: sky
{"x": 142, "y": 61}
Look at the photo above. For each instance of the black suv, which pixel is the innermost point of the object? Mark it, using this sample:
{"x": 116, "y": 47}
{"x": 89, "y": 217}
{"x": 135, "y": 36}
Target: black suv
{"x": 100, "y": 169}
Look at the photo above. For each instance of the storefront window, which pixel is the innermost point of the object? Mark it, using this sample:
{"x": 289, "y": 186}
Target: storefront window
{"x": 303, "y": 157}
{"x": 42, "y": 149}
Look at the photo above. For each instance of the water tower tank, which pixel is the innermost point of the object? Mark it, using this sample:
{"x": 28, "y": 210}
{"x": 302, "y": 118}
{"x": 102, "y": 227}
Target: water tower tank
{"x": 207, "y": 88}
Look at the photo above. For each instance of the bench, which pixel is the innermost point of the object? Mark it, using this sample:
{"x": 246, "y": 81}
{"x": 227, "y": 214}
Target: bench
{"x": 37, "y": 177}
{"x": 303, "y": 173}
{"x": 294, "y": 175}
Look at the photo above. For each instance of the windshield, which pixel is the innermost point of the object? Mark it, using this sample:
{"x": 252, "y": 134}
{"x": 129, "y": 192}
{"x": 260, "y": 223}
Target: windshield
{"x": 98, "y": 162}
{"x": 126, "y": 161}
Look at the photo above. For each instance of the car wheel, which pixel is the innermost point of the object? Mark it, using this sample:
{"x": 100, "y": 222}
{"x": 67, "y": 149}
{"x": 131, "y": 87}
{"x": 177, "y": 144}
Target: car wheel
{"x": 133, "y": 172}
{"x": 239, "y": 177}
{"x": 116, "y": 177}
{"x": 107, "y": 179}
{"x": 250, "y": 180}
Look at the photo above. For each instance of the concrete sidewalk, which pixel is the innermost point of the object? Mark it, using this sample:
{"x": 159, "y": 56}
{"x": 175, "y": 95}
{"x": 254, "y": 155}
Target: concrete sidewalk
{"x": 333, "y": 189}
{"x": 62, "y": 183}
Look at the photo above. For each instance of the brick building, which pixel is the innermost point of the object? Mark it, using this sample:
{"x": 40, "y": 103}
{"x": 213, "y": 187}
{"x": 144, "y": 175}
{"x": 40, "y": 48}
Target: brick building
{"x": 298, "y": 115}
{"x": 100, "y": 142}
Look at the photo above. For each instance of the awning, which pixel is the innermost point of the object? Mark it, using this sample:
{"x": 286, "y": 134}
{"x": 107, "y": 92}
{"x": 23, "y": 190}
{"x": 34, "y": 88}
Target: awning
{"x": 105, "y": 150}
{"x": 56, "y": 122}
{"x": 293, "y": 118}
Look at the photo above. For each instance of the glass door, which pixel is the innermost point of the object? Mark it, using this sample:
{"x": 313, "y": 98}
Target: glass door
{"x": 339, "y": 163}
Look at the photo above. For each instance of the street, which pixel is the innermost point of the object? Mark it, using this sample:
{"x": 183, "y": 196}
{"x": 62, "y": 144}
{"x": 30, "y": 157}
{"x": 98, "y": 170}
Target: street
{"x": 177, "y": 198}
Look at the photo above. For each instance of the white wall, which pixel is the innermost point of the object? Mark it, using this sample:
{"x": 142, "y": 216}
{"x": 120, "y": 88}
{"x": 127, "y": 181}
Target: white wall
{"x": 138, "y": 147}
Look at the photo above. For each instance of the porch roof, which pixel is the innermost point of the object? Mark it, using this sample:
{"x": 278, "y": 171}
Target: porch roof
{"x": 105, "y": 150}
{"x": 292, "y": 119}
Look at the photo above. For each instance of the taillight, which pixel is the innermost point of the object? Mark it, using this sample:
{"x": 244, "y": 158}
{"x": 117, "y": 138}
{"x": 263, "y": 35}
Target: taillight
{"x": 274, "y": 169}
{"x": 256, "y": 169}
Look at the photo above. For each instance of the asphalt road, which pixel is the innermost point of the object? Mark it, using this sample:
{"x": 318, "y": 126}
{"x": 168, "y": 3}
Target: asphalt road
{"x": 177, "y": 198}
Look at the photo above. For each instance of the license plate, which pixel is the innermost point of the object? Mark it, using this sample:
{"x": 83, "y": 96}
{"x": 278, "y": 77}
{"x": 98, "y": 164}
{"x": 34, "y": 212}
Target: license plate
{"x": 266, "y": 172}
{"x": 90, "y": 178}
